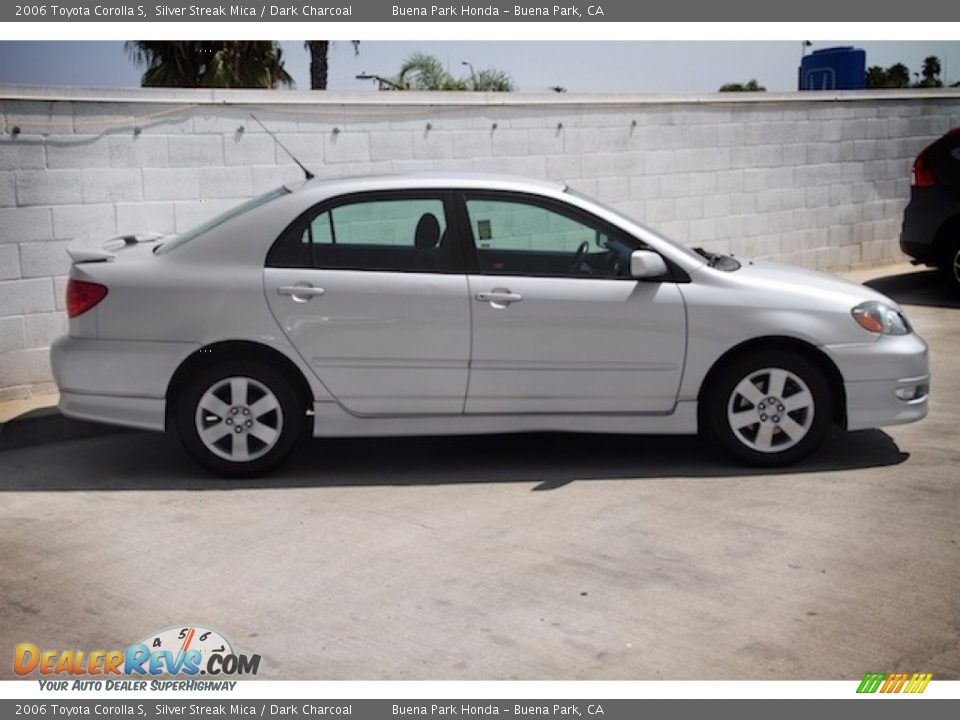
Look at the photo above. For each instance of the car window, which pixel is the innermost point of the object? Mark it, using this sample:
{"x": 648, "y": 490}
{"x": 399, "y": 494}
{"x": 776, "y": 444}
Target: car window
{"x": 400, "y": 234}
{"x": 521, "y": 237}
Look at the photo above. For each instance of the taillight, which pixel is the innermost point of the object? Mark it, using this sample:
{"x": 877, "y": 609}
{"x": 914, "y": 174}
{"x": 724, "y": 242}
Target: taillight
{"x": 83, "y": 295}
{"x": 922, "y": 176}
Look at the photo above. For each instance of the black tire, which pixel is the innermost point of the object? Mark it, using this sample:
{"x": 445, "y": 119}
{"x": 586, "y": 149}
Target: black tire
{"x": 763, "y": 424}
{"x": 950, "y": 266}
{"x": 245, "y": 455}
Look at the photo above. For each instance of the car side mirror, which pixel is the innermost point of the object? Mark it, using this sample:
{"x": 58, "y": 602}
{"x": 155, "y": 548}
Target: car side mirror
{"x": 646, "y": 265}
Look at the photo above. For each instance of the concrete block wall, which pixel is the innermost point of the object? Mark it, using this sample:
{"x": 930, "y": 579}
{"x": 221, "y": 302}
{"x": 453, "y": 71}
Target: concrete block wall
{"x": 811, "y": 179}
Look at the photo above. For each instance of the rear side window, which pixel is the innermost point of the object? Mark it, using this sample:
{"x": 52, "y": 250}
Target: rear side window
{"x": 403, "y": 234}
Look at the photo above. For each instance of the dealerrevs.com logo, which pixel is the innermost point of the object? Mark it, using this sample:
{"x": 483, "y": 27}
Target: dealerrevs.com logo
{"x": 178, "y": 651}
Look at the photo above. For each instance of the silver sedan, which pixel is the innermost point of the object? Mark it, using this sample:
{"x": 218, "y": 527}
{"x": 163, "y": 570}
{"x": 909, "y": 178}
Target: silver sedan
{"x": 445, "y": 304}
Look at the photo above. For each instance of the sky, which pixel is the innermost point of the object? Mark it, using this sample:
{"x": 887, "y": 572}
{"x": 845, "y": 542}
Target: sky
{"x": 535, "y": 66}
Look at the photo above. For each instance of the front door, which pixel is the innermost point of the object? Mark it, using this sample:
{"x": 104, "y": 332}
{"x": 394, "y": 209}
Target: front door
{"x": 559, "y": 325}
{"x": 370, "y": 291}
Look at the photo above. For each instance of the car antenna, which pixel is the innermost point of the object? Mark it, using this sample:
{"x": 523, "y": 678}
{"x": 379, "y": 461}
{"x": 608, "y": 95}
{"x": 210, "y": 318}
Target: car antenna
{"x": 303, "y": 167}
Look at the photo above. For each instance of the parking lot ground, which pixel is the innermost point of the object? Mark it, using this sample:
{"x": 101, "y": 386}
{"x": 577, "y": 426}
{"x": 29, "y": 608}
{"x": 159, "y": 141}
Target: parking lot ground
{"x": 529, "y": 557}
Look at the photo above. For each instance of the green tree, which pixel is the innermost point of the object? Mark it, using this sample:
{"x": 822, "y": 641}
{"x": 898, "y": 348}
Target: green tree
{"x": 898, "y": 76}
{"x": 220, "y": 63}
{"x": 421, "y": 71}
{"x": 931, "y": 72}
{"x": 751, "y": 86}
{"x": 876, "y": 77}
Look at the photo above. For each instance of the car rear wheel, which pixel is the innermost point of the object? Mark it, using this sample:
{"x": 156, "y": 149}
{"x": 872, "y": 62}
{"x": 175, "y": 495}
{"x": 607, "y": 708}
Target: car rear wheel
{"x": 950, "y": 267}
{"x": 240, "y": 418}
{"x": 769, "y": 408}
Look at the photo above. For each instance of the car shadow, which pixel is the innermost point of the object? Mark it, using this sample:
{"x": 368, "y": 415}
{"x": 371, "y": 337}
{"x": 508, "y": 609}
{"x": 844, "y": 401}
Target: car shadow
{"x": 147, "y": 461}
{"x": 923, "y": 287}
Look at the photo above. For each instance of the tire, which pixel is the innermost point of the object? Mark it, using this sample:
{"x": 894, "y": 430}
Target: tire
{"x": 950, "y": 266}
{"x": 240, "y": 418}
{"x": 769, "y": 408}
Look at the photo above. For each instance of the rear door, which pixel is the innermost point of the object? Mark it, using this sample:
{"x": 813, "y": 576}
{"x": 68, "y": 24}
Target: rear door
{"x": 370, "y": 290}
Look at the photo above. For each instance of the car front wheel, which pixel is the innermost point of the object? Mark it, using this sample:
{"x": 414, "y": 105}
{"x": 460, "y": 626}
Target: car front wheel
{"x": 769, "y": 408}
{"x": 240, "y": 419}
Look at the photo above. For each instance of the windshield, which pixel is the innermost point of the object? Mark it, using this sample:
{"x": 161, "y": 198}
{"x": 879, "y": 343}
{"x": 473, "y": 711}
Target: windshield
{"x": 679, "y": 246}
{"x": 200, "y": 229}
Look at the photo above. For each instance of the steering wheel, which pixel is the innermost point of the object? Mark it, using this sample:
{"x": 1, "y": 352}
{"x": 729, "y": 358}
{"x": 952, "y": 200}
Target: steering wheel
{"x": 578, "y": 256}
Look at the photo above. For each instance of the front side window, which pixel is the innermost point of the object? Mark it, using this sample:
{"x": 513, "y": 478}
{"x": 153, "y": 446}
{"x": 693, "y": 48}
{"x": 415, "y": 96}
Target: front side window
{"x": 391, "y": 234}
{"x": 521, "y": 237}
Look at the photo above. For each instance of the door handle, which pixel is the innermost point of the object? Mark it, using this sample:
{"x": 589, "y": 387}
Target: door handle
{"x": 300, "y": 293}
{"x": 499, "y": 298}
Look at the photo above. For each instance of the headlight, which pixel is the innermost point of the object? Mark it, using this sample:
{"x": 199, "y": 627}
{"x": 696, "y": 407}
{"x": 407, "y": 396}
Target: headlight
{"x": 877, "y": 317}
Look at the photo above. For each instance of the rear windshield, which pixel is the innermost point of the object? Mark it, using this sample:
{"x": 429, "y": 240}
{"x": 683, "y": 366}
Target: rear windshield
{"x": 200, "y": 229}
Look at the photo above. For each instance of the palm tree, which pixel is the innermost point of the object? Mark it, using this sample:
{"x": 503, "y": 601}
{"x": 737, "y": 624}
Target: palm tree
{"x": 318, "y": 61}
{"x": 221, "y": 63}
{"x": 421, "y": 71}
{"x": 931, "y": 72}
{"x": 898, "y": 76}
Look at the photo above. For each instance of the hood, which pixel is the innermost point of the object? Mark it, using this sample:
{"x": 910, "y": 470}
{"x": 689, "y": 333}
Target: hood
{"x": 817, "y": 287}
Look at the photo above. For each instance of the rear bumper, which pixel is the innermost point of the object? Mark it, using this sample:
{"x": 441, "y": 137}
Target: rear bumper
{"x": 878, "y": 377}
{"x": 116, "y": 381}
{"x": 925, "y": 214}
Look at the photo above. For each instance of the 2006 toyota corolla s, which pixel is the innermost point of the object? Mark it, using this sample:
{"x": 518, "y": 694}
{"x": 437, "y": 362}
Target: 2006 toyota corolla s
{"x": 442, "y": 304}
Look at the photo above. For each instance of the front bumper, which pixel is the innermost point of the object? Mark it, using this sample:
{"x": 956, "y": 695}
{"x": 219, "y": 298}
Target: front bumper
{"x": 878, "y": 374}
{"x": 116, "y": 381}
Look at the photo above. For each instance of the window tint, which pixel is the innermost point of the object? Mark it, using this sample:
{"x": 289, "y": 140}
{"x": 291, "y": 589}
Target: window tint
{"x": 517, "y": 237}
{"x": 402, "y": 234}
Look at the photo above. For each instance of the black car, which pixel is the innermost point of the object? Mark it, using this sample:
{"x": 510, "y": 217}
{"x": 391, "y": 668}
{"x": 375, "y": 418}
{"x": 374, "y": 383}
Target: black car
{"x": 931, "y": 221}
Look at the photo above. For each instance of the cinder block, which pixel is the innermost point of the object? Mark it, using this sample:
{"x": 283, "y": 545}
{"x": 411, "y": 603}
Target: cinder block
{"x": 44, "y": 328}
{"x": 164, "y": 119}
{"x": 621, "y": 164}
{"x": 44, "y": 259}
{"x": 351, "y": 147}
{"x": 613, "y": 190}
{"x": 716, "y": 205}
{"x": 190, "y": 151}
{"x": 658, "y": 210}
{"x": 84, "y": 221}
{"x": 8, "y": 189}
{"x": 587, "y": 186}
{"x": 19, "y": 224}
{"x": 60, "y": 292}
{"x": 226, "y": 182}
{"x": 307, "y": 148}
{"x": 546, "y": 141}
{"x": 23, "y": 155}
{"x": 138, "y": 151}
{"x": 466, "y": 144}
{"x": 509, "y": 142}
{"x": 99, "y": 118}
{"x": 171, "y": 184}
{"x": 190, "y": 214}
{"x": 22, "y": 297}
{"x": 23, "y": 367}
{"x": 399, "y": 145}
{"x": 112, "y": 185}
{"x": 535, "y": 167}
{"x": 77, "y": 151}
{"x": 613, "y": 139}
{"x": 9, "y": 262}
{"x": 48, "y": 187}
{"x": 145, "y": 217}
{"x": 268, "y": 177}
{"x": 434, "y": 145}
{"x": 563, "y": 167}
{"x": 12, "y": 336}
{"x": 577, "y": 140}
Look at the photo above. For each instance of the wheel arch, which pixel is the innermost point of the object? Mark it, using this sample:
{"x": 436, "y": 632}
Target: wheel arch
{"x": 211, "y": 354}
{"x": 801, "y": 347}
{"x": 946, "y": 239}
